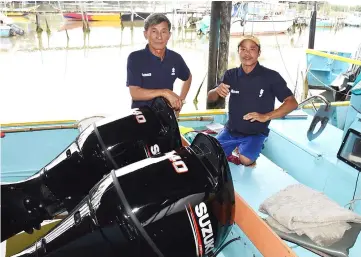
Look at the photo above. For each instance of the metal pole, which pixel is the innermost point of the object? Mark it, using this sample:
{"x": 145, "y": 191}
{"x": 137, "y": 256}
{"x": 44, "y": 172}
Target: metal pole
{"x": 213, "y": 47}
{"x": 311, "y": 38}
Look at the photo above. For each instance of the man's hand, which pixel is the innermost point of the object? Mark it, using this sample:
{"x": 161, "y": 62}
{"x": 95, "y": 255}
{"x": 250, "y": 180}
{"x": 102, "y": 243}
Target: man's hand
{"x": 223, "y": 90}
{"x": 174, "y": 100}
{"x": 255, "y": 116}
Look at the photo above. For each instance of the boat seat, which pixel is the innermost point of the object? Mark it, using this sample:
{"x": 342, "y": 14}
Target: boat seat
{"x": 338, "y": 249}
{"x": 256, "y": 184}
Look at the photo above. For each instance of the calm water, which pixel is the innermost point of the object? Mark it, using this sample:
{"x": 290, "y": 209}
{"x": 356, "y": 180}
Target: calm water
{"x": 55, "y": 76}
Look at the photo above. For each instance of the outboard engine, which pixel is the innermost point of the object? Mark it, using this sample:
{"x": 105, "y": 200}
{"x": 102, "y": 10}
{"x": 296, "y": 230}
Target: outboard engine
{"x": 105, "y": 145}
{"x": 176, "y": 204}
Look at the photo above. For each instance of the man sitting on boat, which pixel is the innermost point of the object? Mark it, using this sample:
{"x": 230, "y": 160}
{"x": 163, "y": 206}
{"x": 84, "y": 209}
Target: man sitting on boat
{"x": 253, "y": 89}
{"x": 152, "y": 71}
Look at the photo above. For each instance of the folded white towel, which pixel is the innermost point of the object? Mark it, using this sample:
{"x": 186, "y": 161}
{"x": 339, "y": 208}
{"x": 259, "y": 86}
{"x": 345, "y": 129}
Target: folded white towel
{"x": 302, "y": 210}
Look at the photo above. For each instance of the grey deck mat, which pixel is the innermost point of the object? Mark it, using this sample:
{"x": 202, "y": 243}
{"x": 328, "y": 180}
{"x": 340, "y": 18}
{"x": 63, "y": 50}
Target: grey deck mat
{"x": 338, "y": 249}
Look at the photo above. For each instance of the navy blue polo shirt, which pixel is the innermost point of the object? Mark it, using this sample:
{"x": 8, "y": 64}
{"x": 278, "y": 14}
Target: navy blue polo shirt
{"x": 146, "y": 70}
{"x": 253, "y": 92}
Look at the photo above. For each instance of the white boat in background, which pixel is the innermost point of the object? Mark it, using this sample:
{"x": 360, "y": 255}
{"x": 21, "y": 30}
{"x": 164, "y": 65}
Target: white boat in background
{"x": 353, "y": 20}
{"x": 272, "y": 25}
{"x": 255, "y": 17}
{"x": 259, "y": 17}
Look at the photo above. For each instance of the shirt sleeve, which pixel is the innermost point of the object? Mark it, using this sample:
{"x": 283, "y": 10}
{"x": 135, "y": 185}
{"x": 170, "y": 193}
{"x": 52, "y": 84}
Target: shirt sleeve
{"x": 225, "y": 79}
{"x": 133, "y": 75}
{"x": 280, "y": 89}
{"x": 184, "y": 71}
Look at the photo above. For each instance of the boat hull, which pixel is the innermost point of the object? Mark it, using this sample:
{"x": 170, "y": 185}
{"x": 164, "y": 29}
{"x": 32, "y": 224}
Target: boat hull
{"x": 93, "y": 17}
{"x": 260, "y": 27}
{"x": 5, "y": 31}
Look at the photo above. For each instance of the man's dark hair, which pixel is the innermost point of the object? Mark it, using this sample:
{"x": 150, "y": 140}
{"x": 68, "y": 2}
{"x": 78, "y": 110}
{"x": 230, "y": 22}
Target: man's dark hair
{"x": 155, "y": 19}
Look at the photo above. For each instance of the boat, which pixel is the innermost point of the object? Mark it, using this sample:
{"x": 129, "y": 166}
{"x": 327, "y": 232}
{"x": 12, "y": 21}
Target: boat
{"x": 324, "y": 23}
{"x": 254, "y": 17}
{"x": 104, "y": 16}
{"x": 15, "y": 29}
{"x": 260, "y": 18}
{"x": 6, "y": 31}
{"x": 77, "y": 16}
{"x": 18, "y": 12}
{"x": 333, "y": 72}
{"x": 294, "y": 154}
{"x": 353, "y": 20}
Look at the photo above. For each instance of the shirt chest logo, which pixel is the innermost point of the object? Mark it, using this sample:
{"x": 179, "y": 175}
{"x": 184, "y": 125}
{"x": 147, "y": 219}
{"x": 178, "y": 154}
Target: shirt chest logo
{"x": 173, "y": 72}
{"x": 146, "y": 74}
{"x": 234, "y": 91}
{"x": 261, "y": 93}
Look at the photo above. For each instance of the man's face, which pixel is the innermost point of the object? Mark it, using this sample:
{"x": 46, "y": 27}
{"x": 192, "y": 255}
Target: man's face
{"x": 158, "y": 35}
{"x": 248, "y": 52}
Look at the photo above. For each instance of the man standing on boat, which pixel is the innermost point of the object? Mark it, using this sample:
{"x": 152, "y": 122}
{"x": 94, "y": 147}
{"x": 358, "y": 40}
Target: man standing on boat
{"x": 253, "y": 89}
{"x": 152, "y": 71}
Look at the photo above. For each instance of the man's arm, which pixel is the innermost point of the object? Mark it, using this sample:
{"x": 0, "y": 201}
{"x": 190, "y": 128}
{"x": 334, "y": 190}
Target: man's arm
{"x": 288, "y": 105}
{"x": 220, "y": 91}
{"x": 284, "y": 95}
{"x": 212, "y": 95}
{"x": 143, "y": 94}
{"x": 185, "y": 87}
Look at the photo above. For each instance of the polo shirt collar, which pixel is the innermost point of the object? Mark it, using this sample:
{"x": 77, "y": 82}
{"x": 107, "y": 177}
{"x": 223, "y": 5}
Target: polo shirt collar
{"x": 254, "y": 72}
{"x": 156, "y": 57}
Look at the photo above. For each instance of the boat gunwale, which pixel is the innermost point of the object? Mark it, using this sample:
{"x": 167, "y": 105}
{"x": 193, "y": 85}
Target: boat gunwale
{"x": 56, "y": 122}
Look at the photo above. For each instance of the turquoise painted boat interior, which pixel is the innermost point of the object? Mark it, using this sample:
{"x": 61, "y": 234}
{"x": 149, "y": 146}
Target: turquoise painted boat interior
{"x": 288, "y": 158}
{"x": 4, "y": 31}
{"x": 25, "y": 153}
{"x": 324, "y": 23}
{"x": 338, "y": 118}
{"x": 325, "y": 69}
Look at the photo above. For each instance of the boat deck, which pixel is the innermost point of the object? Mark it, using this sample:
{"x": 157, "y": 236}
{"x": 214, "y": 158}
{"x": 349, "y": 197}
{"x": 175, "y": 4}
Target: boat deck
{"x": 320, "y": 169}
{"x": 255, "y": 185}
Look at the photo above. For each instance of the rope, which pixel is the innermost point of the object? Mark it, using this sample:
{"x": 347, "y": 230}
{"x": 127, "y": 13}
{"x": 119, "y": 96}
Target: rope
{"x": 279, "y": 49}
{"x": 354, "y": 200}
{"x": 328, "y": 87}
{"x": 352, "y": 203}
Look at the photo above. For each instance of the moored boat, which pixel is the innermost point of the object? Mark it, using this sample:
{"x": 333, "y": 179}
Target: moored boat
{"x": 6, "y": 31}
{"x": 294, "y": 154}
{"x": 77, "y": 16}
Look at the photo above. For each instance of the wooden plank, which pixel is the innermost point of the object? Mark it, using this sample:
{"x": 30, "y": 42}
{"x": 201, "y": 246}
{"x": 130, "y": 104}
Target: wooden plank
{"x": 261, "y": 235}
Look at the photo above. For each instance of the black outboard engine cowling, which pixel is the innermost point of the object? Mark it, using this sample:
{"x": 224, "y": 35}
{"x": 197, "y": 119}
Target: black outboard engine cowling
{"x": 176, "y": 204}
{"x": 106, "y": 145}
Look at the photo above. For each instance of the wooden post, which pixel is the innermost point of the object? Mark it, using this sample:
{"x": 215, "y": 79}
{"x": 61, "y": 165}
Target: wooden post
{"x": 311, "y": 38}
{"x": 213, "y": 47}
{"x": 131, "y": 15}
{"x": 226, "y": 11}
{"x": 218, "y": 46}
